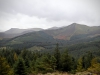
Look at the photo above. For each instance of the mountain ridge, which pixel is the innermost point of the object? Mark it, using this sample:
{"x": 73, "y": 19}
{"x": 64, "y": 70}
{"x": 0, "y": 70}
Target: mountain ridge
{"x": 74, "y": 29}
{"x": 62, "y": 33}
{"x": 13, "y": 32}
{"x": 72, "y": 34}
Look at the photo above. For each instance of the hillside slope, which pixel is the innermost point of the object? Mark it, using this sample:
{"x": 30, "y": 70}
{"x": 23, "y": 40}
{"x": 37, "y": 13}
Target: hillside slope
{"x": 13, "y": 32}
{"x": 74, "y": 29}
{"x": 28, "y": 40}
{"x": 72, "y": 34}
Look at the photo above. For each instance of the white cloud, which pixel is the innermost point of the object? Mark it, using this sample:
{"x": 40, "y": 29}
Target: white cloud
{"x": 47, "y": 13}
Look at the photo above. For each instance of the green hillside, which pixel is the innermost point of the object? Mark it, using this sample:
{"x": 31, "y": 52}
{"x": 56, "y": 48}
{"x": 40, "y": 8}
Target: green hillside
{"x": 72, "y": 34}
{"x": 32, "y": 37}
{"x": 29, "y": 40}
{"x": 67, "y": 32}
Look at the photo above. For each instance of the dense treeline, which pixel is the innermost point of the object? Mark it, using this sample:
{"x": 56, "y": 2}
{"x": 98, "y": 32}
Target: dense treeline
{"x": 24, "y": 62}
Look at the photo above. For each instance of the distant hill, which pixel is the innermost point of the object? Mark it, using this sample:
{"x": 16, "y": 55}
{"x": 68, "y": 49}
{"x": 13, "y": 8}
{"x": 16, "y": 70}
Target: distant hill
{"x": 65, "y": 33}
{"x": 77, "y": 38}
{"x": 72, "y": 34}
{"x": 13, "y": 32}
{"x": 33, "y": 37}
{"x": 29, "y": 40}
{"x": 16, "y": 30}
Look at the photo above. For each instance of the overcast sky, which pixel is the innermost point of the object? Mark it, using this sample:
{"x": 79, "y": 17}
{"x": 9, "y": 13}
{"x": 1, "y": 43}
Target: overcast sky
{"x": 48, "y": 13}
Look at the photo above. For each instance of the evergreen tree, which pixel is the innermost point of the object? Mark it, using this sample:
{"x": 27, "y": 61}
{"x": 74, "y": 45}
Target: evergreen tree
{"x": 95, "y": 66}
{"x": 4, "y": 67}
{"x": 19, "y": 68}
{"x": 86, "y": 60}
{"x": 15, "y": 57}
{"x": 53, "y": 62}
{"x": 43, "y": 65}
{"x": 80, "y": 65}
{"x": 27, "y": 65}
{"x": 24, "y": 54}
{"x": 57, "y": 56}
{"x": 66, "y": 61}
{"x": 89, "y": 58}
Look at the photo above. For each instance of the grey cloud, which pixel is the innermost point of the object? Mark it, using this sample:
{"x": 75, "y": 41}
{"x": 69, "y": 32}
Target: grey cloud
{"x": 50, "y": 9}
{"x": 53, "y": 11}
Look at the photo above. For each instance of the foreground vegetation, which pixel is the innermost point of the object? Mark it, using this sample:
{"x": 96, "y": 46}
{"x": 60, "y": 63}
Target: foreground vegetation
{"x": 66, "y": 73}
{"x": 25, "y": 62}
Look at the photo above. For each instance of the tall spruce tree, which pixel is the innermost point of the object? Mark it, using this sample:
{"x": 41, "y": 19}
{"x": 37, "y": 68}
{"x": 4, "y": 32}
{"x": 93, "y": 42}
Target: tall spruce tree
{"x": 53, "y": 62}
{"x": 86, "y": 60}
{"x": 57, "y": 56}
{"x": 66, "y": 61}
{"x": 19, "y": 68}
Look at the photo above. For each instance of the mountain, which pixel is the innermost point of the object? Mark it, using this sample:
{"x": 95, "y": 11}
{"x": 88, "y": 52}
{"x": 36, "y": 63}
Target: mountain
{"x": 17, "y": 31}
{"x": 32, "y": 30}
{"x": 74, "y": 29}
{"x": 77, "y": 38}
{"x": 71, "y": 34}
{"x": 13, "y": 32}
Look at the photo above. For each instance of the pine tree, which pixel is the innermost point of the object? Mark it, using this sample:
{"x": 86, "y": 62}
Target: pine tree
{"x": 66, "y": 61}
{"x": 80, "y": 65}
{"x": 27, "y": 65}
{"x": 57, "y": 56}
{"x": 89, "y": 58}
{"x": 19, "y": 68}
{"x": 53, "y": 62}
{"x": 4, "y": 67}
{"x": 86, "y": 60}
